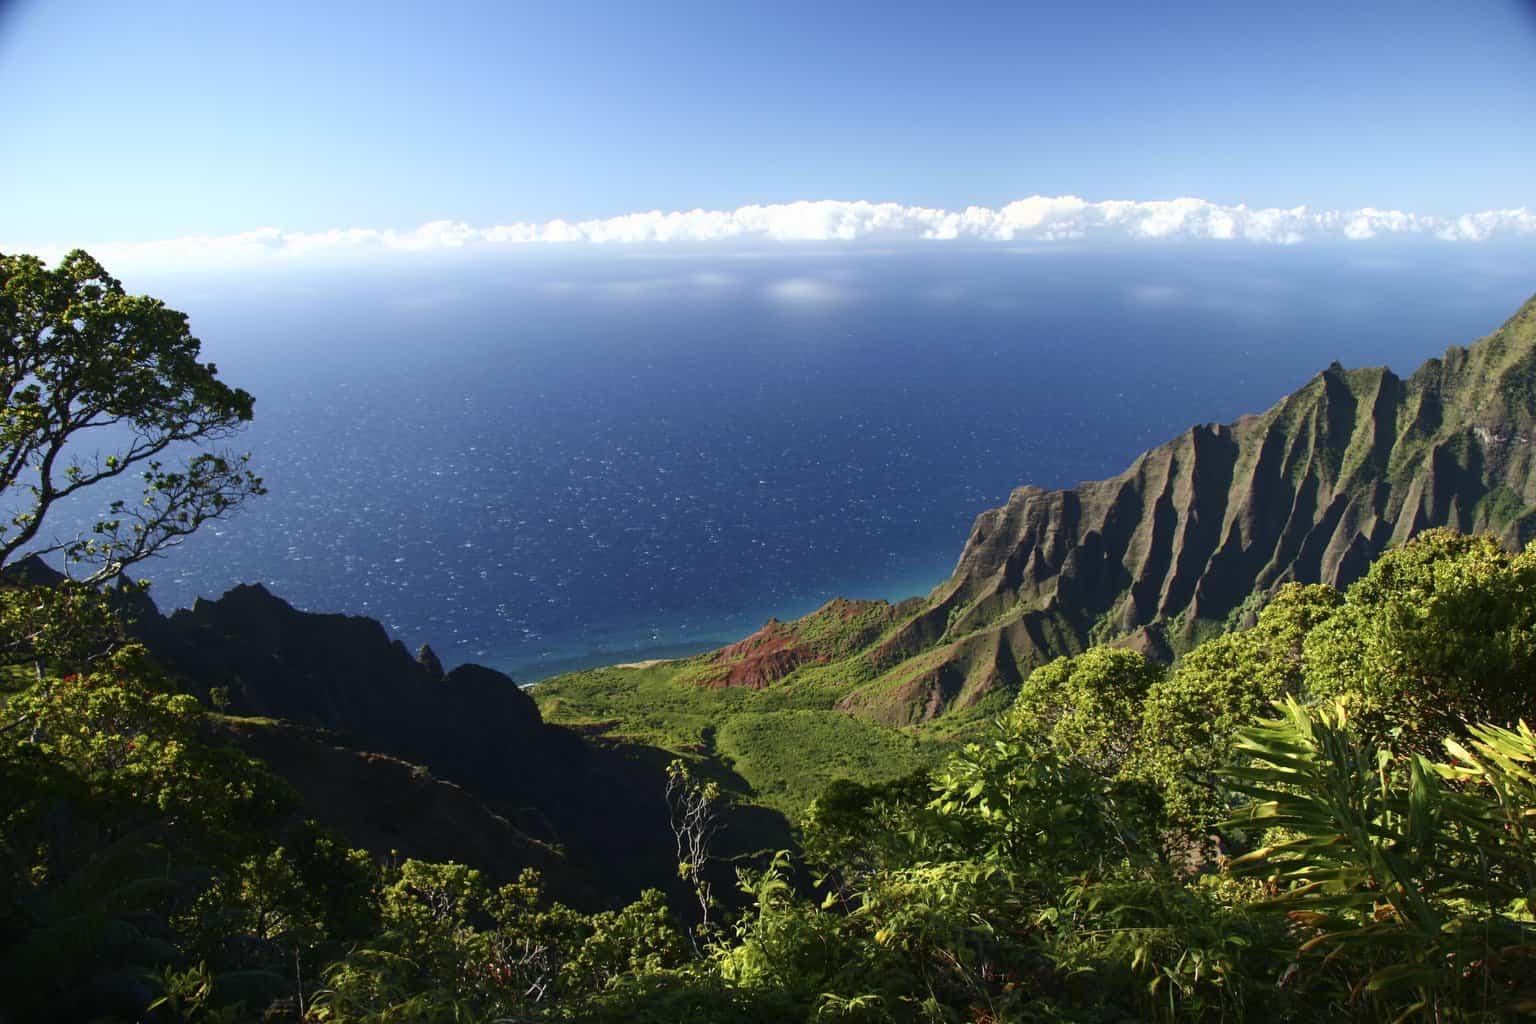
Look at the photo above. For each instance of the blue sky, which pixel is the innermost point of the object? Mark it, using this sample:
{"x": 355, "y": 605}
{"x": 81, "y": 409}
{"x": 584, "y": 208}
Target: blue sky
{"x": 131, "y": 122}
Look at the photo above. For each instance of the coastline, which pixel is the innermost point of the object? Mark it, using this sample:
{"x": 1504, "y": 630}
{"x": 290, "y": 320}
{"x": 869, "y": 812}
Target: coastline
{"x": 529, "y": 672}
{"x": 608, "y": 659}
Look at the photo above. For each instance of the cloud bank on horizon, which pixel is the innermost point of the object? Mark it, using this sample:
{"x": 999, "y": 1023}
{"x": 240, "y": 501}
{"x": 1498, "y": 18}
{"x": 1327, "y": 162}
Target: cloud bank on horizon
{"x": 1035, "y": 219}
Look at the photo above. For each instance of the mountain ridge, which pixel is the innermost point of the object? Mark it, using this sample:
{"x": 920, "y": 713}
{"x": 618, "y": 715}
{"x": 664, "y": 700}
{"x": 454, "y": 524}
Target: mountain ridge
{"x": 1170, "y": 550}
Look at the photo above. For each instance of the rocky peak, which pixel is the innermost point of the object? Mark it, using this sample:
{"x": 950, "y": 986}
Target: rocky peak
{"x": 427, "y": 658}
{"x": 1311, "y": 490}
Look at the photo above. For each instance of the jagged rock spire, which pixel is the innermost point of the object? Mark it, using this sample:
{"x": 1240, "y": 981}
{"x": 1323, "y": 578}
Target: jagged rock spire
{"x": 429, "y": 660}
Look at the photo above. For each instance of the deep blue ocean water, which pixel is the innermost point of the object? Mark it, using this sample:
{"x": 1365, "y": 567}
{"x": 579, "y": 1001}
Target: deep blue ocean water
{"x": 560, "y": 459}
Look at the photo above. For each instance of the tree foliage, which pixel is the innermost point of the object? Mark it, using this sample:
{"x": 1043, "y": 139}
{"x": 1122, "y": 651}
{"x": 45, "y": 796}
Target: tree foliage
{"x": 1441, "y": 630}
{"x": 132, "y": 846}
{"x": 1191, "y": 714}
{"x": 97, "y": 384}
{"x": 1078, "y": 705}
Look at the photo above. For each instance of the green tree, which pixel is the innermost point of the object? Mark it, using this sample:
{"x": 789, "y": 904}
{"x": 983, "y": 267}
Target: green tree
{"x": 1191, "y": 714}
{"x": 84, "y": 365}
{"x": 129, "y": 842}
{"x": 454, "y": 948}
{"x": 1440, "y": 631}
{"x": 1085, "y": 705}
{"x": 133, "y": 846}
{"x": 67, "y": 627}
{"x": 853, "y": 830}
{"x": 1016, "y": 803}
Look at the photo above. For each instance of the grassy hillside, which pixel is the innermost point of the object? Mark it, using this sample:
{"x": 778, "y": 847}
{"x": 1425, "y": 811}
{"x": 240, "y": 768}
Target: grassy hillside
{"x": 784, "y": 742}
{"x": 766, "y": 712}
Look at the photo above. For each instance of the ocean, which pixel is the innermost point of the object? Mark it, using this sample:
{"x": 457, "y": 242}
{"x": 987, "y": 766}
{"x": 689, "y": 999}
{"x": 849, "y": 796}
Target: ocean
{"x": 556, "y": 459}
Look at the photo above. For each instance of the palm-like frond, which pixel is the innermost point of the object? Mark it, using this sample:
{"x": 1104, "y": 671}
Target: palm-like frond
{"x": 1411, "y": 879}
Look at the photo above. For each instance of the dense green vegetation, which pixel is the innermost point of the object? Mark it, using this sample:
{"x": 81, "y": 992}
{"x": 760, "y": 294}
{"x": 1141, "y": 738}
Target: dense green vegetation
{"x": 783, "y": 744}
{"x": 1328, "y": 813}
{"x": 789, "y": 757}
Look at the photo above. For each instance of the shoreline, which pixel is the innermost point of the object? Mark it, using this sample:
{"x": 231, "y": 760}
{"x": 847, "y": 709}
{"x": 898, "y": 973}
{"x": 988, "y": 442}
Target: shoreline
{"x": 528, "y": 673}
{"x": 640, "y": 657}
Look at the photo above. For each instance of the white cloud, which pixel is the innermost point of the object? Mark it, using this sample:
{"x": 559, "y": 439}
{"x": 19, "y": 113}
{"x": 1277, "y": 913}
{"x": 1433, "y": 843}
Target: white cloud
{"x": 1478, "y": 227}
{"x": 1037, "y": 219}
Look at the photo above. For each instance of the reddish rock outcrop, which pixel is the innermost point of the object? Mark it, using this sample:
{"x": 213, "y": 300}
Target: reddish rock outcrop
{"x": 835, "y": 630}
{"x": 761, "y": 659}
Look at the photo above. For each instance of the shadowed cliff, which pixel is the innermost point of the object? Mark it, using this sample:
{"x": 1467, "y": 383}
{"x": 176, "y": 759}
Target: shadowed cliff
{"x": 506, "y": 790}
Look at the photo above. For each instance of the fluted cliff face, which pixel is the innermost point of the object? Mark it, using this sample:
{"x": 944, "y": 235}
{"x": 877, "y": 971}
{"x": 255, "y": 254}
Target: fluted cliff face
{"x": 1311, "y": 490}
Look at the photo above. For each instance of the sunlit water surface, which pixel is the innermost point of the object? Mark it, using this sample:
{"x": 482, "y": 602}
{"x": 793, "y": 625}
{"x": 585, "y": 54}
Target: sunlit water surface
{"x": 556, "y": 460}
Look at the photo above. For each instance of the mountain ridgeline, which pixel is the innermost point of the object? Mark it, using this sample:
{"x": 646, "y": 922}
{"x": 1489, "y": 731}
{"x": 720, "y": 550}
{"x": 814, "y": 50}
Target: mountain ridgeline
{"x": 1172, "y": 549}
